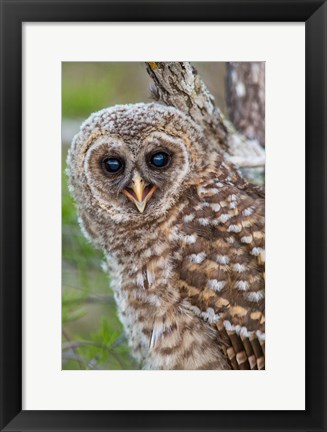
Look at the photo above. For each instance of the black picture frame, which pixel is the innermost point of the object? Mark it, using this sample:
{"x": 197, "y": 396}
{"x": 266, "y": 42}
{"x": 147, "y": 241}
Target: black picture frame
{"x": 13, "y": 14}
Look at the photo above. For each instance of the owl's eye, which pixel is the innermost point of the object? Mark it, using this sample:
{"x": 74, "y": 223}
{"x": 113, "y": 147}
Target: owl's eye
{"x": 159, "y": 159}
{"x": 112, "y": 165}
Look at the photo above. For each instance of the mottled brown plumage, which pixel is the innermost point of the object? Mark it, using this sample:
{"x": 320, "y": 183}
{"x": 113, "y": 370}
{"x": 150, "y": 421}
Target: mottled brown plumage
{"x": 187, "y": 264}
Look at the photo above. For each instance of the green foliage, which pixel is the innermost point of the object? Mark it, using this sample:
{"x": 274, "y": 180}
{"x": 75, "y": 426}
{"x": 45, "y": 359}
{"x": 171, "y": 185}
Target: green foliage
{"x": 89, "y": 87}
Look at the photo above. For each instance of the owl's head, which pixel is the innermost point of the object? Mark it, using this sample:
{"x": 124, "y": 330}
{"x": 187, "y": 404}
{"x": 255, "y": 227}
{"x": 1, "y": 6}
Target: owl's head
{"x": 131, "y": 163}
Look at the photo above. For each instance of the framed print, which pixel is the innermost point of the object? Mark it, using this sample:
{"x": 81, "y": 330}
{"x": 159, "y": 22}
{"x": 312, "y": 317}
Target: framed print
{"x": 136, "y": 292}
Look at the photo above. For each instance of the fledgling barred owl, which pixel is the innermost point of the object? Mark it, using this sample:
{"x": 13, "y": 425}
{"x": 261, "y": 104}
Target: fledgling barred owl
{"x": 183, "y": 235}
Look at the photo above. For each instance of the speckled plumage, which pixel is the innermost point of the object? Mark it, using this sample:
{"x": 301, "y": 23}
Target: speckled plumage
{"x": 188, "y": 273}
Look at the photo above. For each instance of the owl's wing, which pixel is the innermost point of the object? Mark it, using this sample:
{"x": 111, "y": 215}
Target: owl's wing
{"x": 223, "y": 266}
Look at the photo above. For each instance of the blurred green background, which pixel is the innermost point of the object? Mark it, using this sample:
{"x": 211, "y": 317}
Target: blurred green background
{"x": 92, "y": 336}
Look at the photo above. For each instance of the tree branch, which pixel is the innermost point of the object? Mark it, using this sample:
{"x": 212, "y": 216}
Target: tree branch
{"x": 178, "y": 84}
{"x": 245, "y": 90}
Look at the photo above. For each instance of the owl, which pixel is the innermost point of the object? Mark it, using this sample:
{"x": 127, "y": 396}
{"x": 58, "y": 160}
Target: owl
{"x": 182, "y": 233}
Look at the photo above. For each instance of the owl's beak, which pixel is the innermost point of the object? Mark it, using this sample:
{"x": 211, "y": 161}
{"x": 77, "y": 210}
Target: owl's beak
{"x": 138, "y": 193}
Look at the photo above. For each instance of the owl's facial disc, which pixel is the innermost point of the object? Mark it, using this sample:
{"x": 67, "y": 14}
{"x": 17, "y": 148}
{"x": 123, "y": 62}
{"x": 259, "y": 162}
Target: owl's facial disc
{"x": 136, "y": 180}
{"x": 138, "y": 192}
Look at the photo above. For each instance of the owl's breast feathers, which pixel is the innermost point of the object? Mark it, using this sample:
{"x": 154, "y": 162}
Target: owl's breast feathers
{"x": 204, "y": 259}
{"x": 222, "y": 266}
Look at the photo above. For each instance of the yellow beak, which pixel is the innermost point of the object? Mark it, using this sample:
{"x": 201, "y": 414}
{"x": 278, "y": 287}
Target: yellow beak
{"x": 138, "y": 193}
